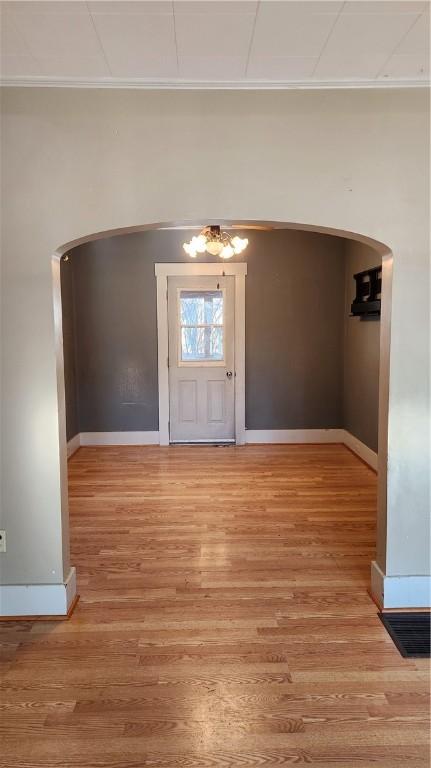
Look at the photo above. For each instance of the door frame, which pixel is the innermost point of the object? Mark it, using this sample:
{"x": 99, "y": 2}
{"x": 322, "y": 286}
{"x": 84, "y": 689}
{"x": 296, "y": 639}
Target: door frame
{"x": 162, "y": 272}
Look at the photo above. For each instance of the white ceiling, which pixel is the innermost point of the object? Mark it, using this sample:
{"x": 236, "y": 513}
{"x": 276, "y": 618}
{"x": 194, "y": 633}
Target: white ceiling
{"x": 271, "y": 43}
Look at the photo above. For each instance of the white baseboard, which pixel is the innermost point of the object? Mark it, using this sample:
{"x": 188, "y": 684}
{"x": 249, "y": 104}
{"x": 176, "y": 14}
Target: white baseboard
{"x": 111, "y": 438}
{"x": 294, "y": 435}
{"x": 361, "y": 450}
{"x": 73, "y": 445}
{"x": 280, "y": 436}
{"x": 38, "y": 599}
{"x": 119, "y": 438}
{"x": 400, "y": 591}
{"x": 313, "y": 436}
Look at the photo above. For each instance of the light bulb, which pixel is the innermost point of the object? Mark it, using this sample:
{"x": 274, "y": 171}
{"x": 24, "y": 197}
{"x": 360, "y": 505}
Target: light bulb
{"x": 227, "y": 252}
{"x": 201, "y": 243}
{"x": 239, "y": 244}
{"x": 190, "y": 250}
{"x": 214, "y": 247}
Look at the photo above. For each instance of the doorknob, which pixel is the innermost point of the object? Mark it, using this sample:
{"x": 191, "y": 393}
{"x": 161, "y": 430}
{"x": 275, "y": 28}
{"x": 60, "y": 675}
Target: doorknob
{"x": 229, "y": 374}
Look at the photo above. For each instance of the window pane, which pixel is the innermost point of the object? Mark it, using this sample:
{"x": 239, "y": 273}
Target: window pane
{"x": 192, "y": 343}
{"x": 216, "y": 313}
{"x": 199, "y": 307}
{"x": 201, "y": 343}
{"x": 192, "y": 309}
{"x": 216, "y": 343}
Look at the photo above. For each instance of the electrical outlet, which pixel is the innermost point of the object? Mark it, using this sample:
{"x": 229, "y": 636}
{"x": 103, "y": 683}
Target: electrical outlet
{"x": 2, "y": 541}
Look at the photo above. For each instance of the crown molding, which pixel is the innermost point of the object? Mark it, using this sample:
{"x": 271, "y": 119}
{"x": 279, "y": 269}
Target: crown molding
{"x": 199, "y": 85}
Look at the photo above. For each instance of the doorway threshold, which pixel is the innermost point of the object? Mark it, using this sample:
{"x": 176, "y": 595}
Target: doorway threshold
{"x": 214, "y": 443}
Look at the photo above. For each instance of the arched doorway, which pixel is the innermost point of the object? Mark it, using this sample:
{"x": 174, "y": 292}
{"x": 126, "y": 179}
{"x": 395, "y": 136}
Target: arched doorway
{"x": 382, "y": 250}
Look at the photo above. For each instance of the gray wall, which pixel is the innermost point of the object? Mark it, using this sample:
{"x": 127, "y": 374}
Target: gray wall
{"x": 361, "y": 354}
{"x": 294, "y": 330}
{"x": 293, "y": 344}
{"x": 69, "y": 349}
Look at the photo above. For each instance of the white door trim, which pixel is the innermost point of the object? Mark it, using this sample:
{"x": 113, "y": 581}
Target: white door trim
{"x": 163, "y": 271}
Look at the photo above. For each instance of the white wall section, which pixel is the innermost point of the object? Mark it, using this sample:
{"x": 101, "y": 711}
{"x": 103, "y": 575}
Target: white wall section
{"x": 76, "y": 162}
{"x": 38, "y": 599}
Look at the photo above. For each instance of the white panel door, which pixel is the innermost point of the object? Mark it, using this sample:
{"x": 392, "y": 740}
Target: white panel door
{"x": 201, "y": 315}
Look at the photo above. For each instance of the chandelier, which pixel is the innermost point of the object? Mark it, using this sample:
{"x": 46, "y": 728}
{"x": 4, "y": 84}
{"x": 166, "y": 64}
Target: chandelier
{"x": 215, "y": 242}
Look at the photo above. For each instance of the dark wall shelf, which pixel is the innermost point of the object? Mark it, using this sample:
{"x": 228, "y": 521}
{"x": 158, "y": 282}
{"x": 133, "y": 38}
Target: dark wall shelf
{"x": 367, "y": 301}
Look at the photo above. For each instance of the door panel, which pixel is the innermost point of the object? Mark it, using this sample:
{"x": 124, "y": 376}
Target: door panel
{"x": 201, "y": 358}
{"x": 187, "y": 401}
{"x": 216, "y": 401}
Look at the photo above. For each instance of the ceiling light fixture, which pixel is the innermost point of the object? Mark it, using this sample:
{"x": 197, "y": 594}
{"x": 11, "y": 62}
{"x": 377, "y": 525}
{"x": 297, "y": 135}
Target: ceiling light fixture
{"x": 215, "y": 242}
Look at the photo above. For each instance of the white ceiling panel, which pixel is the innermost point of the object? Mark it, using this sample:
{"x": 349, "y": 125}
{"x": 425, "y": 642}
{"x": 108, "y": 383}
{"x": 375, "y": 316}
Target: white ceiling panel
{"x": 298, "y": 7}
{"x": 73, "y": 66}
{"x": 216, "y": 6}
{"x": 283, "y": 29}
{"x": 55, "y": 34}
{"x": 350, "y": 67}
{"x": 232, "y": 43}
{"x": 12, "y": 43}
{"x": 212, "y": 67}
{"x": 383, "y": 6}
{"x": 407, "y": 66}
{"x": 121, "y": 7}
{"x": 417, "y": 39}
{"x": 56, "y": 6}
{"x": 19, "y": 66}
{"x": 132, "y": 65}
{"x": 368, "y": 33}
{"x": 213, "y": 34}
{"x": 135, "y": 35}
{"x": 281, "y": 68}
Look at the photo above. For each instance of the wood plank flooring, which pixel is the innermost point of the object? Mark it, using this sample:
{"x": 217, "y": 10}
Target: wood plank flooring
{"x": 224, "y": 621}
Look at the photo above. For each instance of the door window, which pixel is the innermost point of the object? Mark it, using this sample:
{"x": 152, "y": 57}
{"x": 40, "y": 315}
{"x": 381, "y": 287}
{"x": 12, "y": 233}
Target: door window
{"x": 201, "y": 337}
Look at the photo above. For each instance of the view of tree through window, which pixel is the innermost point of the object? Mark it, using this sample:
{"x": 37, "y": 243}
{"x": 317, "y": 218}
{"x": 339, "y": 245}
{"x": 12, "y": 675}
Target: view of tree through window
{"x": 201, "y": 318}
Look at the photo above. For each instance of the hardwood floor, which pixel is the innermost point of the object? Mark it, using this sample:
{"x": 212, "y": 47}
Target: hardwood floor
{"x": 224, "y": 621}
